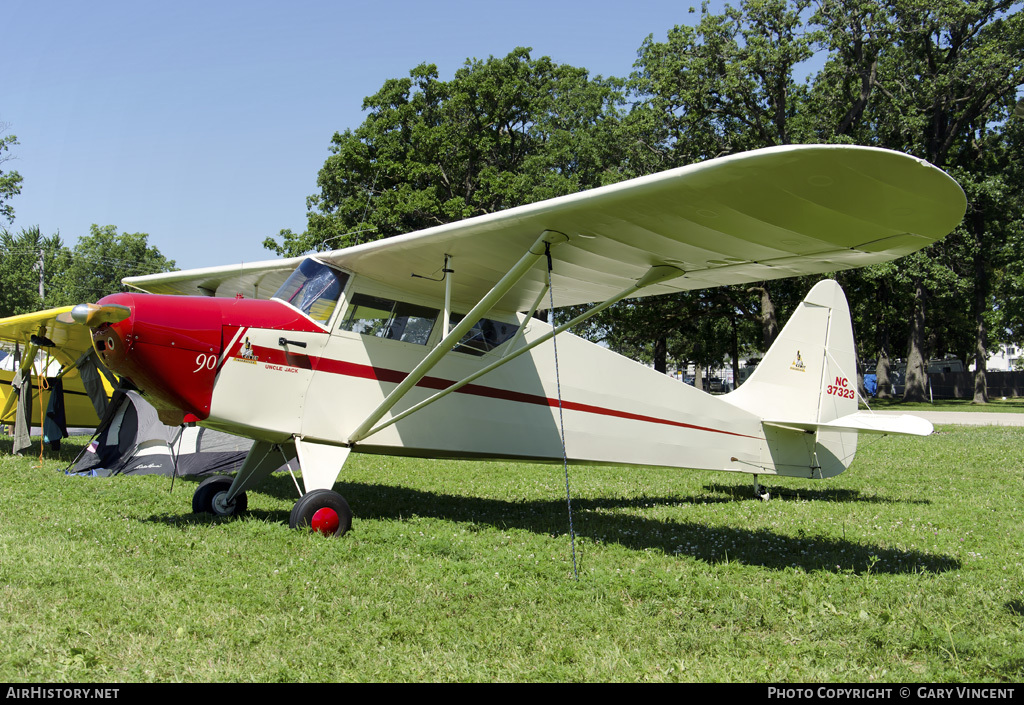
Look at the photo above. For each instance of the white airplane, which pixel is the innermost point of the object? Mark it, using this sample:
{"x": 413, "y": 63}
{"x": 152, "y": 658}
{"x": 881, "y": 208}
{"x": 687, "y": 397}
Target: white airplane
{"x": 425, "y": 345}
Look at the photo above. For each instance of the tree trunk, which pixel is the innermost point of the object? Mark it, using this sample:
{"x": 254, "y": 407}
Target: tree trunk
{"x": 917, "y": 369}
{"x": 883, "y": 380}
{"x": 980, "y": 358}
{"x": 698, "y": 377}
{"x": 980, "y": 350}
{"x": 769, "y": 326}
{"x": 661, "y": 354}
{"x": 860, "y": 373}
{"x": 981, "y": 284}
{"x": 734, "y": 351}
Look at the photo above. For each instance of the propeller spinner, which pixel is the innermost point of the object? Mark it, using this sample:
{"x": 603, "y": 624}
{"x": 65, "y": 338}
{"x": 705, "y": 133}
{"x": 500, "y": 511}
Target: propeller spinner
{"x": 94, "y": 315}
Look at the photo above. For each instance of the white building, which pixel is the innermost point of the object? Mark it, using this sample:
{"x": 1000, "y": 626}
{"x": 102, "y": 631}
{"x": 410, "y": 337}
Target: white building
{"x": 1004, "y": 359}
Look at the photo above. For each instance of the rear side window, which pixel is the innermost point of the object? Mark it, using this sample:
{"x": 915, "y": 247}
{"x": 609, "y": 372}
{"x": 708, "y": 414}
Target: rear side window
{"x": 486, "y": 335}
{"x": 385, "y": 318}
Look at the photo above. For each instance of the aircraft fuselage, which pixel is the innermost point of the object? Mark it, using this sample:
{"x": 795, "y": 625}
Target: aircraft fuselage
{"x": 261, "y": 369}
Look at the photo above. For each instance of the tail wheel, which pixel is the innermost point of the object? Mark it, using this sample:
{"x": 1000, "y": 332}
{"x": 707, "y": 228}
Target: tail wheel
{"x": 211, "y": 498}
{"x": 760, "y": 493}
{"x": 323, "y": 511}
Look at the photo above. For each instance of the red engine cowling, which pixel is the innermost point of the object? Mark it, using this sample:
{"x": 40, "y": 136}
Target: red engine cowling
{"x": 171, "y": 347}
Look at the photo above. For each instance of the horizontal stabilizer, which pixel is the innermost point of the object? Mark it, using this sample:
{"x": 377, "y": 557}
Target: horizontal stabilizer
{"x": 863, "y": 422}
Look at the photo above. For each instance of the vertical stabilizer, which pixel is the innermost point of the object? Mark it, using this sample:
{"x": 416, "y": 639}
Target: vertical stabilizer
{"x": 809, "y": 377}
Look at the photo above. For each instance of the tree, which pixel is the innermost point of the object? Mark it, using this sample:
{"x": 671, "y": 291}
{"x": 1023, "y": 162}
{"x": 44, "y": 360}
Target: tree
{"x": 728, "y": 83}
{"x": 31, "y": 265}
{"x": 725, "y": 85}
{"x": 503, "y": 132}
{"x": 100, "y": 260}
{"x": 935, "y": 79}
{"x": 1006, "y": 310}
{"x": 10, "y": 181}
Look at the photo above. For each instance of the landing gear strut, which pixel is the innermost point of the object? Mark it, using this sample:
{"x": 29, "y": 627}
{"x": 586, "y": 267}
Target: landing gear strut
{"x": 323, "y": 511}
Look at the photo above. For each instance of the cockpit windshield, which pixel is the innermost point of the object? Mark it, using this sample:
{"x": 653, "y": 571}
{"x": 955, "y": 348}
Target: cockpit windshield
{"x": 313, "y": 288}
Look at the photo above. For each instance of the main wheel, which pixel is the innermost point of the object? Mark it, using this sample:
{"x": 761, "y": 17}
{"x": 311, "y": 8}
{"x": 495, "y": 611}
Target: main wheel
{"x": 323, "y": 511}
{"x": 211, "y": 498}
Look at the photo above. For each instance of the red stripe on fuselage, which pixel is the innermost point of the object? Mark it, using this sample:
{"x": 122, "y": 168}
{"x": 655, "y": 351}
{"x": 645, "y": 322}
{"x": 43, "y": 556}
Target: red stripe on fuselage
{"x": 381, "y": 374}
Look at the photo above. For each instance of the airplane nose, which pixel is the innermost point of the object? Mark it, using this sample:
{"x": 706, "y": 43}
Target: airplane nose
{"x": 111, "y": 325}
{"x": 111, "y": 342}
{"x": 167, "y": 346}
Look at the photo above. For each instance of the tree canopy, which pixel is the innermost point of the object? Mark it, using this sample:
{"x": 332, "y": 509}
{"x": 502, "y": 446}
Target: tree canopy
{"x": 937, "y": 79}
{"x": 30, "y": 263}
{"x": 10, "y": 180}
{"x": 38, "y": 271}
{"x": 501, "y": 133}
{"x": 940, "y": 79}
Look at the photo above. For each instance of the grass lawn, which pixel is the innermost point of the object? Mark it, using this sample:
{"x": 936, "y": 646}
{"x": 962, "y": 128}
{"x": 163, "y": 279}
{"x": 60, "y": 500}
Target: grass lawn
{"x": 908, "y": 567}
{"x": 1010, "y": 405}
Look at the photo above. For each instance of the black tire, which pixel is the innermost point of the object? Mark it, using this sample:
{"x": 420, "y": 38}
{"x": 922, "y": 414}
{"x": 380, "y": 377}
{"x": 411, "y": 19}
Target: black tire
{"x": 312, "y": 502}
{"x": 210, "y": 498}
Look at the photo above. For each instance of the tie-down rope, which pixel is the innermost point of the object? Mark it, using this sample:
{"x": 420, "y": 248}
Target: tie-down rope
{"x": 561, "y": 422}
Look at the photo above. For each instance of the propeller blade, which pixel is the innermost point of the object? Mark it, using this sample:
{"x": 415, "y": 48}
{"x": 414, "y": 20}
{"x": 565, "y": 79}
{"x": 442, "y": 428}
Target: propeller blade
{"x": 93, "y": 315}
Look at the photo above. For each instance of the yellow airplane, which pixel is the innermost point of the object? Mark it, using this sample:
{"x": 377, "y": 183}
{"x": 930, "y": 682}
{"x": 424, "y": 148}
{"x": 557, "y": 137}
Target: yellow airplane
{"x": 44, "y": 339}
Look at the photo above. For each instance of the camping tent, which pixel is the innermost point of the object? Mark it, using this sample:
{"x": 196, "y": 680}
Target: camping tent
{"x": 203, "y": 451}
{"x": 131, "y": 440}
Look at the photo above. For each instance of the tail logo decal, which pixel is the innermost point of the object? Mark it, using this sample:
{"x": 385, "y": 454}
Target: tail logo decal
{"x": 798, "y": 363}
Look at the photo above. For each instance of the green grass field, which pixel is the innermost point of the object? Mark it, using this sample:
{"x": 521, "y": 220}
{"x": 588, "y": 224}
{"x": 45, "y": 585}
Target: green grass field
{"x": 906, "y": 568}
{"x": 1009, "y": 405}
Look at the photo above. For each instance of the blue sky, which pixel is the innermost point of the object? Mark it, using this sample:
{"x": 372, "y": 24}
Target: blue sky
{"x": 204, "y": 124}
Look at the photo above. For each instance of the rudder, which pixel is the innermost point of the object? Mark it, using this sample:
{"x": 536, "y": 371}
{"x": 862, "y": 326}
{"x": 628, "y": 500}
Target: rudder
{"x": 808, "y": 377}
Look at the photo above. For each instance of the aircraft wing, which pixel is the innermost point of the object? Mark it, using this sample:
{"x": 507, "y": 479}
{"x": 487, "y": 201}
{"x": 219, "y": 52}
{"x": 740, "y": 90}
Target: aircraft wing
{"x": 69, "y": 342}
{"x": 70, "y": 339}
{"x": 257, "y": 280}
{"x": 766, "y": 214}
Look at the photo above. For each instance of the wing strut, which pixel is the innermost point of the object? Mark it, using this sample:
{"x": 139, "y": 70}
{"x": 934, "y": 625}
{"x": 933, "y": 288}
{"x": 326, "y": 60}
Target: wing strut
{"x": 518, "y": 270}
{"x": 27, "y": 361}
{"x": 655, "y": 275}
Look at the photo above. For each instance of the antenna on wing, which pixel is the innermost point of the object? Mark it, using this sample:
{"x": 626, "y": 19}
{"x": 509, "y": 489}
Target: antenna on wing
{"x": 322, "y": 247}
{"x": 445, "y": 271}
{"x": 366, "y": 210}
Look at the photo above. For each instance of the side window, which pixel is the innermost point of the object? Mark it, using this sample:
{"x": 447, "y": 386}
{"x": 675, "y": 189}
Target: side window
{"x": 368, "y": 315}
{"x": 486, "y": 335}
{"x": 412, "y": 324}
{"x": 394, "y": 320}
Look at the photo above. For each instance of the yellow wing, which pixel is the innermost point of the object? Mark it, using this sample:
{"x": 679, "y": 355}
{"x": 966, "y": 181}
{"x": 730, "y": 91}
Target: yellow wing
{"x": 33, "y": 332}
{"x": 70, "y": 339}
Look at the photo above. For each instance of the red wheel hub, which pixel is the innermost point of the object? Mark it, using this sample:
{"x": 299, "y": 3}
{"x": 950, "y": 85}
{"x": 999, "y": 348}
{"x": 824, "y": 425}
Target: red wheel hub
{"x": 326, "y": 521}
